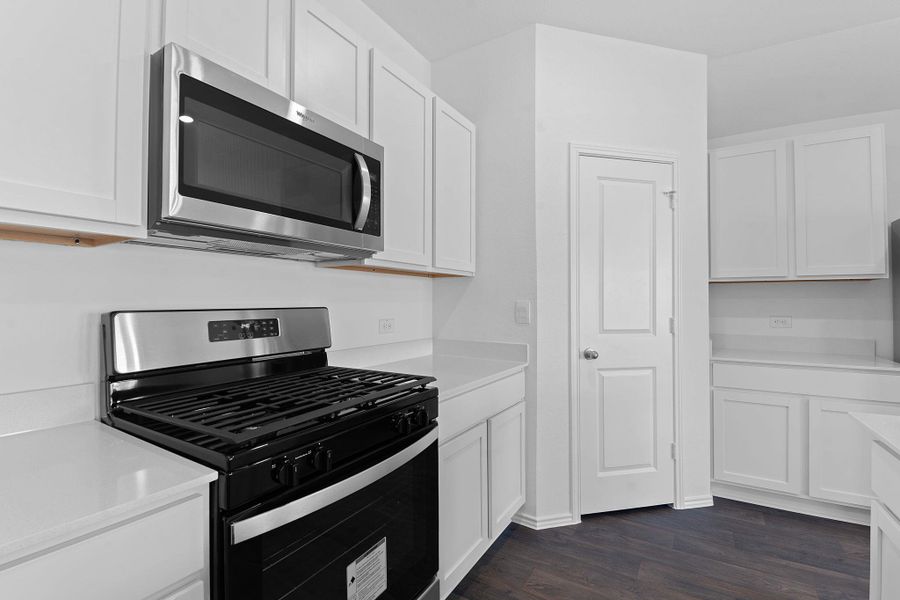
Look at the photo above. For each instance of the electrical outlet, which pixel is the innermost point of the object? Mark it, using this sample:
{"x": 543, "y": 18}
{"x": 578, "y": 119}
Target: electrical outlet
{"x": 780, "y": 322}
{"x": 523, "y": 312}
{"x": 386, "y": 325}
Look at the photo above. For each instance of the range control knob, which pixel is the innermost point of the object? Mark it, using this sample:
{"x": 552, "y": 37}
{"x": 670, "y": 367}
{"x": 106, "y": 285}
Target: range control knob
{"x": 283, "y": 472}
{"x": 322, "y": 459}
{"x": 403, "y": 424}
{"x": 421, "y": 417}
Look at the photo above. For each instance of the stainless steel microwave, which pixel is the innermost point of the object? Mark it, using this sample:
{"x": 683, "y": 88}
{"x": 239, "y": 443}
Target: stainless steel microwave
{"x": 235, "y": 167}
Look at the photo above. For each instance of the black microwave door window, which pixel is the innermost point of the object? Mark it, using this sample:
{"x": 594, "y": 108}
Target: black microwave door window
{"x": 308, "y": 559}
{"x": 235, "y": 154}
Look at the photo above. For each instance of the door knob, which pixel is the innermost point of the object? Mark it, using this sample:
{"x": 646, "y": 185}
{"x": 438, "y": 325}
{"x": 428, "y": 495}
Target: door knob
{"x": 591, "y": 354}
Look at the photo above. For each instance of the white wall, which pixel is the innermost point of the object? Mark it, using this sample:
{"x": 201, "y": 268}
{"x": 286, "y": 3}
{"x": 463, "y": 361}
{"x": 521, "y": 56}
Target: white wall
{"x": 52, "y": 298}
{"x": 838, "y": 74}
{"x": 837, "y": 309}
{"x": 622, "y": 94}
{"x": 493, "y": 85}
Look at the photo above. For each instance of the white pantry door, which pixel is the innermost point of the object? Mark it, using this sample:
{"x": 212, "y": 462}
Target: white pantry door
{"x": 626, "y": 359}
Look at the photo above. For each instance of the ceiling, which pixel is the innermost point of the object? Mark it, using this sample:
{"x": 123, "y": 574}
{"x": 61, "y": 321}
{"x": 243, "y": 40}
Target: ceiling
{"x": 438, "y": 28}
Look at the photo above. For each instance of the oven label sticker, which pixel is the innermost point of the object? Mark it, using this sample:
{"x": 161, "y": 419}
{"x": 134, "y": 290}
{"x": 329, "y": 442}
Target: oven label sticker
{"x": 367, "y": 575}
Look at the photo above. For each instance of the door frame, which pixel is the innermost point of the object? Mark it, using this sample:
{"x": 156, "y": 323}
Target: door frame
{"x": 576, "y": 152}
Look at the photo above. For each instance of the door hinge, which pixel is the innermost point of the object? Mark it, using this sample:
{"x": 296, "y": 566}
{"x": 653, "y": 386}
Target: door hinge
{"x": 674, "y": 451}
{"x": 671, "y": 195}
{"x": 672, "y": 325}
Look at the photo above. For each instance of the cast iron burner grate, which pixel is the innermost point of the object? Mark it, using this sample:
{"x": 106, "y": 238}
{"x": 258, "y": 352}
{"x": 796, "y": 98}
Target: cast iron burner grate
{"x": 243, "y": 412}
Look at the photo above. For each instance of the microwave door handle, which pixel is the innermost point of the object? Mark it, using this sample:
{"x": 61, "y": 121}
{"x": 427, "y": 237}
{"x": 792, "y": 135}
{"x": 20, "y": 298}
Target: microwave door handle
{"x": 365, "y": 201}
{"x": 257, "y": 525}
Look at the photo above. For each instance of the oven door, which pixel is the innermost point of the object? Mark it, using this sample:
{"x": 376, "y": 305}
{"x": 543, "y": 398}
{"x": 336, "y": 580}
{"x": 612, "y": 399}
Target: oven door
{"x": 237, "y": 156}
{"x": 373, "y": 533}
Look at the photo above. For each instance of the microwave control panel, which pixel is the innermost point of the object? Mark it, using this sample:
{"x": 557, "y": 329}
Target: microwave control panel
{"x": 225, "y": 331}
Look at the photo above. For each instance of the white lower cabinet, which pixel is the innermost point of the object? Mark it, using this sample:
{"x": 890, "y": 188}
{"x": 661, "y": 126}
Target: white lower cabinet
{"x": 482, "y": 472}
{"x": 884, "y": 577}
{"x": 506, "y": 465}
{"x": 135, "y": 559}
{"x": 464, "y": 531}
{"x": 759, "y": 439}
{"x": 839, "y": 450}
{"x": 777, "y": 439}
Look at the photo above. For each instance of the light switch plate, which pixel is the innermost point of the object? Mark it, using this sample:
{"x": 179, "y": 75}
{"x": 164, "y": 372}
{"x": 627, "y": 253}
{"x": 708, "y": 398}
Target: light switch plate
{"x": 523, "y": 312}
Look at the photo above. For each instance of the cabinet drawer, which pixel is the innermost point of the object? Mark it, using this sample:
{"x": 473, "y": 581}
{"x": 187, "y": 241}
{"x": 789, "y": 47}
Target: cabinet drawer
{"x": 462, "y": 412}
{"x": 136, "y": 559}
{"x": 833, "y": 383}
{"x": 886, "y": 477}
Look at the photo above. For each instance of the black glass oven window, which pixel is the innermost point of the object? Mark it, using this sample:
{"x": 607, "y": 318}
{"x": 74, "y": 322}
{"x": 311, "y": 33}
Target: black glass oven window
{"x": 237, "y": 154}
{"x": 308, "y": 559}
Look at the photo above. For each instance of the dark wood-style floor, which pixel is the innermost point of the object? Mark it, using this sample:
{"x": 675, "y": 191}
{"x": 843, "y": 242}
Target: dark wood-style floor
{"x": 728, "y": 552}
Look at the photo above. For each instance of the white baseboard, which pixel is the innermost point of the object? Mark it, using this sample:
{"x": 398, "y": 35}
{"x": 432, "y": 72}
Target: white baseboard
{"x": 805, "y": 506}
{"x": 545, "y": 522}
{"x": 689, "y": 502}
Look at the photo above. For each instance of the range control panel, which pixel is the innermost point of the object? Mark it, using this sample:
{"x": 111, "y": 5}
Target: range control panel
{"x": 224, "y": 331}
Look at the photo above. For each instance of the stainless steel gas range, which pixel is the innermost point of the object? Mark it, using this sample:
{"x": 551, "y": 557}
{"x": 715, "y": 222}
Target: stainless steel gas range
{"x": 327, "y": 485}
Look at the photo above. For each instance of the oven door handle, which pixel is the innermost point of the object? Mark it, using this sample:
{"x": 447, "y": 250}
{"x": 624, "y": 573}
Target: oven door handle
{"x": 257, "y": 525}
{"x": 365, "y": 201}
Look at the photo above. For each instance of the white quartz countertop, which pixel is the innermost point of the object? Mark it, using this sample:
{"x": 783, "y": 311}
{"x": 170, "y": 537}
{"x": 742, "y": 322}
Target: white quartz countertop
{"x": 64, "y": 481}
{"x": 456, "y": 374}
{"x": 806, "y": 359}
{"x": 886, "y": 428}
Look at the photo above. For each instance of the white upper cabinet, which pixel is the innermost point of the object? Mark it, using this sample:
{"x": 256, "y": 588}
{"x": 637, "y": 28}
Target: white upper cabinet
{"x": 331, "y": 67}
{"x": 454, "y": 189}
{"x": 840, "y": 203}
{"x": 250, "y": 37}
{"x": 748, "y": 211}
{"x": 402, "y": 123}
{"x": 71, "y": 118}
{"x": 816, "y": 212}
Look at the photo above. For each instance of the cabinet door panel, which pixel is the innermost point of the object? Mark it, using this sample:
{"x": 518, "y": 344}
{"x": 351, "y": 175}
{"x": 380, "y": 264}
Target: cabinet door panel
{"x": 464, "y": 531}
{"x": 82, "y": 115}
{"x": 884, "y": 579}
{"x": 454, "y": 189}
{"x": 506, "y": 446}
{"x": 749, "y": 211}
{"x": 402, "y": 123}
{"x": 331, "y": 67}
{"x": 759, "y": 439}
{"x": 251, "y": 38}
{"x": 839, "y": 449}
{"x": 840, "y": 203}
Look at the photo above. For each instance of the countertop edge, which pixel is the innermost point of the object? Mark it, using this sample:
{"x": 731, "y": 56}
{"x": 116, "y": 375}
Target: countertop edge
{"x": 48, "y": 538}
{"x": 459, "y": 390}
{"x": 804, "y": 364}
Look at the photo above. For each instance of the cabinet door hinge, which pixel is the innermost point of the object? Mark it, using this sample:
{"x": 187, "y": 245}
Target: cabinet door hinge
{"x": 671, "y": 195}
{"x": 672, "y": 325}
{"x": 674, "y": 448}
